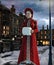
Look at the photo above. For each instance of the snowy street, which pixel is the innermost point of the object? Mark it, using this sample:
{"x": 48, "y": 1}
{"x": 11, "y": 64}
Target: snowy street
{"x": 12, "y": 57}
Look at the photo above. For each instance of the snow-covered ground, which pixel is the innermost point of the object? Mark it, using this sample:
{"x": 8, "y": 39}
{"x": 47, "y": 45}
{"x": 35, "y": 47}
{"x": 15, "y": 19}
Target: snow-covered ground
{"x": 12, "y": 57}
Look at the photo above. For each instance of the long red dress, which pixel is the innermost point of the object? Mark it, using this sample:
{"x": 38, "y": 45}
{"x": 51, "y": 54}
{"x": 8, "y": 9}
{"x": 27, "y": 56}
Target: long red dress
{"x": 33, "y": 44}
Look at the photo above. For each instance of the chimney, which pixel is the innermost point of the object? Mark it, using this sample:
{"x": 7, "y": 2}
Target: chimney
{"x": 43, "y": 27}
{"x": 47, "y": 27}
{"x": 13, "y": 9}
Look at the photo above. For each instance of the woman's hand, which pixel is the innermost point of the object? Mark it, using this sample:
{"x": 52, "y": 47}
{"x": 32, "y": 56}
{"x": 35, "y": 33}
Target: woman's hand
{"x": 32, "y": 31}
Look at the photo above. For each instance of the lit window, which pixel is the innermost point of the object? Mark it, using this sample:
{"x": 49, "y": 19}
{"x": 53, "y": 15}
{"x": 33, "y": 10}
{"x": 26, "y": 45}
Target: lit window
{"x": 45, "y": 37}
{"x": 5, "y": 30}
{"x": 47, "y": 42}
{"x": 7, "y": 27}
{"x": 44, "y": 43}
{"x": 45, "y": 32}
{"x": 3, "y": 27}
{"x": 40, "y": 40}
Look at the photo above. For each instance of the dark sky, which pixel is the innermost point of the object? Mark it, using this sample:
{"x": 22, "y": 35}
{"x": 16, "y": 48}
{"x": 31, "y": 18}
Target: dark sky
{"x": 40, "y": 8}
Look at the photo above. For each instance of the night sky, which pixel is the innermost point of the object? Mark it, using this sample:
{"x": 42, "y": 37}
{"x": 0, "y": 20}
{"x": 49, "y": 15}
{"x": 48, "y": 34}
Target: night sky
{"x": 40, "y": 8}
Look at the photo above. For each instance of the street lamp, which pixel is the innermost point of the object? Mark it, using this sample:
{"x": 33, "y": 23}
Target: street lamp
{"x": 50, "y": 35}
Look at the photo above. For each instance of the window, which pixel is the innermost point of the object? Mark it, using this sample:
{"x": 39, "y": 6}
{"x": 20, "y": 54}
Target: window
{"x": 45, "y": 32}
{"x": 47, "y": 42}
{"x": 41, "y": 32}
{"x": 3, "y": 27}
{"x": 45, "y": 37}
{"x": 5, "y": 30}
{"x": 44, "y": 43}
{"x": 41, "y": 37}
{"x": 17, "y": 22}
{"x": 40, "y": 40}
{"x": 7, "y": 27}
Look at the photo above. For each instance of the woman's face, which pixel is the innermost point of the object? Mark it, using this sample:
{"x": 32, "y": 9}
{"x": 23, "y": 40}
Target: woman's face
{"x": 28, "y": 14}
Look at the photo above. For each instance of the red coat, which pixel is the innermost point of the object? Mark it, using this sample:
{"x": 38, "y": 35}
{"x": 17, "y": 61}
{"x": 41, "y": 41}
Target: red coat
{"x": 33, "y": 44}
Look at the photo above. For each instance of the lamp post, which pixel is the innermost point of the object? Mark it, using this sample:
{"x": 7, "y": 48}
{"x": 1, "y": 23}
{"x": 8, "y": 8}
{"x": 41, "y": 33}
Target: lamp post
{"x": 50, "y": 35}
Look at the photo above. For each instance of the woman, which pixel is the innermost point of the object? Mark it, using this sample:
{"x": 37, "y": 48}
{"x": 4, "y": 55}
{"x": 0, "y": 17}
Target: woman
{"x": 33, "y": 42}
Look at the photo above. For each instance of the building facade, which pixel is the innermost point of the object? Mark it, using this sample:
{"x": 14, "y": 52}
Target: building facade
{"x": 8, "y": 21}
{"x": 5, "y": 27}
{"x": 10, "y": 24}
{"x": 43, "y": 36}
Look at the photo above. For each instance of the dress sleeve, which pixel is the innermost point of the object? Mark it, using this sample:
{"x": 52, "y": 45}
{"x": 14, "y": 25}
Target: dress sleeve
{"x": 35, "y": 27}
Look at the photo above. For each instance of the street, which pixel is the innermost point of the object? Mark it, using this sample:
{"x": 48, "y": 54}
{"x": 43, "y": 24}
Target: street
{"x": 11, "y": 58}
